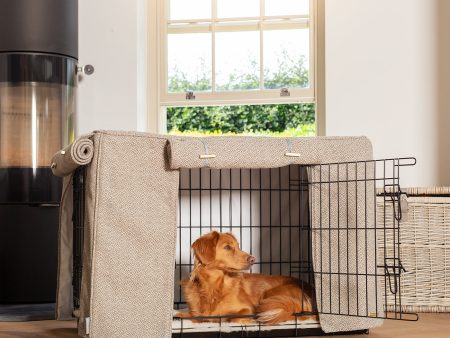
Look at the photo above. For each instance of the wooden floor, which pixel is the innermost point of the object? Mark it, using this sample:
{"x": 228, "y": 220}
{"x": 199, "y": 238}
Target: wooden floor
{"x": 428, "y": 326}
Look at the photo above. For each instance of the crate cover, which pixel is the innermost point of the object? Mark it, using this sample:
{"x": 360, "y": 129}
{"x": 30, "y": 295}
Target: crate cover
{"x": 130, "y": 225}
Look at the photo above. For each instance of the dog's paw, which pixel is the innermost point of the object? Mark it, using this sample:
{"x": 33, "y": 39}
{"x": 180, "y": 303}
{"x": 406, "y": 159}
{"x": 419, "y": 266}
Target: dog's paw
{"x": 183, "y": 315}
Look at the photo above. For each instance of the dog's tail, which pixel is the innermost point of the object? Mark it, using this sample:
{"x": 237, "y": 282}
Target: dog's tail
{"x": 280, "y": 308}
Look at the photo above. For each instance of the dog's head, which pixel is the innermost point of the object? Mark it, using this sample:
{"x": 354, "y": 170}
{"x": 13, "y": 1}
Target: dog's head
{"x": 221, "y": 250}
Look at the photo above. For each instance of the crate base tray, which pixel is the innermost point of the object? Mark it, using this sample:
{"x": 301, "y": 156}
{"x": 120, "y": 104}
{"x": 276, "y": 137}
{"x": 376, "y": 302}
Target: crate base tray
{"x": 186, "y": 326}
{"x": 300, "y": 328}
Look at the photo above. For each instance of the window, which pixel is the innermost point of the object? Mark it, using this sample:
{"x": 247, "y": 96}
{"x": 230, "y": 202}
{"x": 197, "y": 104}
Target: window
{"x": 236, "y": 52}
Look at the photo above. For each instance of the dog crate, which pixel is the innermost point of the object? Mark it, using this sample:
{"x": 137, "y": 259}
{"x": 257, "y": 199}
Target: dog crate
{"x": 305, "y": 207}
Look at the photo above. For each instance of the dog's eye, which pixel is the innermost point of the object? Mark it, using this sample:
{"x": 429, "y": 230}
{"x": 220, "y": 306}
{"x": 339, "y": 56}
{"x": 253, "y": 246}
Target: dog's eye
{"x": 227, "y": 247}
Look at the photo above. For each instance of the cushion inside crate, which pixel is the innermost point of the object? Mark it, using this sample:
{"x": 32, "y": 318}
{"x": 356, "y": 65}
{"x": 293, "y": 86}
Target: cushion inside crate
{"x": 187, "y": 326}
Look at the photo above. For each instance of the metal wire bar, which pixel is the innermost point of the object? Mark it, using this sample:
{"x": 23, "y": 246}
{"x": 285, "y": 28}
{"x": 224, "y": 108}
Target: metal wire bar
{"x": 78, "y": 183}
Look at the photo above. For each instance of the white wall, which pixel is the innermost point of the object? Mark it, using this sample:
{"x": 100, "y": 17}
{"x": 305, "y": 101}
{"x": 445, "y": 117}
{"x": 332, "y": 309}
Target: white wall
{"x": 112, "y": 37}
{"x": 385, "y": 78}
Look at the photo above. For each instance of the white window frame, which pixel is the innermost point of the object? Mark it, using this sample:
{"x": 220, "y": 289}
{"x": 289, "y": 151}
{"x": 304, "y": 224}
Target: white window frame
{"x": 160, "y": 98}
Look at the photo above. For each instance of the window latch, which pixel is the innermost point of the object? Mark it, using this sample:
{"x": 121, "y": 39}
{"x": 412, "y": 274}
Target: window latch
{"x": 285, "y": 92}
{"x": 190, "y": 95}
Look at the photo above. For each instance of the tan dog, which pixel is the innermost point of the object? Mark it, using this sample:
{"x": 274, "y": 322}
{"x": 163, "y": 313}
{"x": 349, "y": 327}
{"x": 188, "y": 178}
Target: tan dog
{"x": 218, "y": 286}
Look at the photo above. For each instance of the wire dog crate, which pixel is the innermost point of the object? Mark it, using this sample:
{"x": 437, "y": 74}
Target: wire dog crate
{"x": 357, "y": 267}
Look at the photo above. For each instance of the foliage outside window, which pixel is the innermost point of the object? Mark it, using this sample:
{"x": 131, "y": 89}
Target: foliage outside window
{"x": 292, "y": 72}
{"x": 269, "y": 120}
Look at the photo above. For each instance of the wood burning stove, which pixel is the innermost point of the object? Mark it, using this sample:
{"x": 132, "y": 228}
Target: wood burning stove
{"x": 38, "y": 64}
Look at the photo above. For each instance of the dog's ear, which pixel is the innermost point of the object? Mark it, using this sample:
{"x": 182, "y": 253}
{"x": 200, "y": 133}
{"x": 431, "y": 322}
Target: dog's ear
{"x": 205, "y": 247}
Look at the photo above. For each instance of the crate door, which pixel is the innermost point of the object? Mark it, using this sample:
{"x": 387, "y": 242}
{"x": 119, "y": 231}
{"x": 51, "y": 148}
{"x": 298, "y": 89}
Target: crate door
{"x": 356, "y": 247}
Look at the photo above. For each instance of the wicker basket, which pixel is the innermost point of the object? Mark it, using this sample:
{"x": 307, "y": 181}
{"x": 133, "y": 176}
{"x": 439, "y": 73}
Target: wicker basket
{"x": 425, "y": 249}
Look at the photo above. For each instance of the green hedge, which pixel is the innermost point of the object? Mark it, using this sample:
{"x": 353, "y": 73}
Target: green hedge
{"x": 263, "y": 119}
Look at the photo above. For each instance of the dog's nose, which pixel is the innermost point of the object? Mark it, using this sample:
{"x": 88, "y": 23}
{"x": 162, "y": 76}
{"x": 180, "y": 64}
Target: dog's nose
{"x": 251, "y": 259}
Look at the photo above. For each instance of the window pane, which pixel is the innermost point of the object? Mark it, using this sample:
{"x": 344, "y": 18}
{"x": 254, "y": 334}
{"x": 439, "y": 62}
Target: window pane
{"x": 287, "y": 7}
{"x": 237, "y": 60}
{"x": 189, "y": 62}
{"x": 270, "y": 120}
{"x": 237, "y": 8}
{"x": 286, "y": 58}
{"x": 192, "y": 9}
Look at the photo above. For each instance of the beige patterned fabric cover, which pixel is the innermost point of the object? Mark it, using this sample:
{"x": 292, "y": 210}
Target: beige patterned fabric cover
{"x": 130, "y": 232}
{"x": 130, "y": 221}
{"x": 64, "y": 300}
{"x": 344, "y": 245}
{"x": 261, "y": 152}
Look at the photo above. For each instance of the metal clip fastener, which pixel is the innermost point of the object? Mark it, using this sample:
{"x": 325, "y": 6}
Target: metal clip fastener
{"x": 206, "y": 156}
{"x": 285, "y": 92}
{"x": 190, "y": 95}
{"x": 292, "y": 154}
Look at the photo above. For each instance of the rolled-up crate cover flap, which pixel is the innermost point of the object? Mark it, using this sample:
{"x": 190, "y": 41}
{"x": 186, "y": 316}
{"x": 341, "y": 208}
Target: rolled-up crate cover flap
{"x": 80, "y": 152}
{"x": 130, "y": 222}
{"x": 262, "y": 152}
